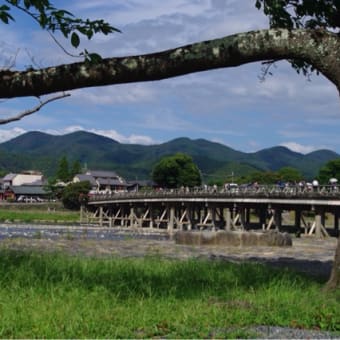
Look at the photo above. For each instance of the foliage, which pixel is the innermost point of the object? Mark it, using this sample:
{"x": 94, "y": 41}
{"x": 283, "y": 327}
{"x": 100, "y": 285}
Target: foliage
{"x": 330, "y": 170}
{"x": 75, "y": 169}
{"x": 53, "y": 191}
{"x": 75, "y": 194}
{"x": 263, "y": 177}
{"x": 176, "y": 171}
{"x": 302, "y": 13}
{"x": 289, "y": 174}
{"x": 63, "y": 173}
{"x": 55, "y": 20}
{"x": 285, "y": 174}
{"x": 291, "y": 14}
{"x": 56, "y": 296}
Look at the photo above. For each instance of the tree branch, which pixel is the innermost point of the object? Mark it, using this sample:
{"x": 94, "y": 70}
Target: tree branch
{"x": 319, "y": 48}
{"x": 33, "y": 110}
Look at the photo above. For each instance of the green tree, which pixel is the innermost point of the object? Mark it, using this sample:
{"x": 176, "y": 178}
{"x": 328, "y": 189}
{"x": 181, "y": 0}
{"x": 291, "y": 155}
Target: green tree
{"x": 53, "y": 191}
{"x": 75, "y": 169}
{"x": 289, "y": 174}
{"x": 330, "y": 170}
{"x": 263, "y": 177}
{"x": 75, "y": 194}
{"x": 63, "y": 173}
{"x": 176, "y": 171}
{"x": 285, "y": 174}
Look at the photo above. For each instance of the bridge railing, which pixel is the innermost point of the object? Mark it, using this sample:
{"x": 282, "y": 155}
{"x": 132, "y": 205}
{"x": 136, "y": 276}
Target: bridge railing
{"x": 251, "y": 191}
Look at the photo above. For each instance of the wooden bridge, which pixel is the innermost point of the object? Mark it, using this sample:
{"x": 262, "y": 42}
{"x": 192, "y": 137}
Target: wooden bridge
{"x": 290, "y": 208}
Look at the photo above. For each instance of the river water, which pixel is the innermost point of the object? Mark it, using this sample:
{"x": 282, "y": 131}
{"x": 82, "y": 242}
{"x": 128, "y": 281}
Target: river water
{"x": 57, "y": 232}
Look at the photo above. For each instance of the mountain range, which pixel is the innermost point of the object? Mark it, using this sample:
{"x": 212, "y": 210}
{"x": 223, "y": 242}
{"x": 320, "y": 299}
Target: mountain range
{"x": 41, "y": 151}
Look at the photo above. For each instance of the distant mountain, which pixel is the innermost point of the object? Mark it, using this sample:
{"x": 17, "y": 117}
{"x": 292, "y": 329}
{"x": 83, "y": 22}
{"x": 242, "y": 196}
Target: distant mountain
{"x": 41, "y": 151}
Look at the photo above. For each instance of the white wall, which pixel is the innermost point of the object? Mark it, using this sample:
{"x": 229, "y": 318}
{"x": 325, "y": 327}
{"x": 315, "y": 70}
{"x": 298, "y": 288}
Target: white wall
{"x": 22, "y": 179}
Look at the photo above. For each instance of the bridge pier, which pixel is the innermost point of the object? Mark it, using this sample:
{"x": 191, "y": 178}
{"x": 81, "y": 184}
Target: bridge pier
{"x": 318, "y": 227}
{"x": 262, "y": 216}
{"x": 298, "y": 218}
{"x": 227, "y": 218}
{"x": 101, "y": 216}
{"x": 242, "y": 212}
{"x": 171, "y": 219}
{"x": 278, "y": 218}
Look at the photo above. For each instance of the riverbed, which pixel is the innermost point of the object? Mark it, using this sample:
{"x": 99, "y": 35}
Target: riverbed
{"x": 308, "y": 254}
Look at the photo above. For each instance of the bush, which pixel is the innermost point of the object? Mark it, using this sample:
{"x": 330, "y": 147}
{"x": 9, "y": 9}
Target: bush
{"x": 75, "y": 194}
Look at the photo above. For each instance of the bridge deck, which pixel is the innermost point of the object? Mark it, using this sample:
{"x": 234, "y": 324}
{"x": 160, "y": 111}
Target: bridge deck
{"x": 221, "y": 209}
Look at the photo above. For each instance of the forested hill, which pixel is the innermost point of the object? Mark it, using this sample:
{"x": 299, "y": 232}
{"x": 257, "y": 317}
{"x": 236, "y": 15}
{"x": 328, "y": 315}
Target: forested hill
{"x": 40, "y": 151}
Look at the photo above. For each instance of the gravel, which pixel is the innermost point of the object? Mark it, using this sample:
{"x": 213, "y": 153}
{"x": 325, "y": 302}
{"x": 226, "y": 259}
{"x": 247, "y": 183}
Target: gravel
{"x": 274, "y": 332}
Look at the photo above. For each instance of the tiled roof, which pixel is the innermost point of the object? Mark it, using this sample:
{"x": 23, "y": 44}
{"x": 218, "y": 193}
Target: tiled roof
{"x": 142, "y": 183}
{"x": 109, "y": 181}
{"x": 101, "y": 173}
{"x": 89, "y": 178}
{"x": 28, "y": 190}
{"x": 9, "y": 177}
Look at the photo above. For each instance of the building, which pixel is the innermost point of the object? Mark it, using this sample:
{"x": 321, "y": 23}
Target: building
{"x": 24, "y": 178}
{"x": 103, "y": 181}
{"x": 25, "y": 186}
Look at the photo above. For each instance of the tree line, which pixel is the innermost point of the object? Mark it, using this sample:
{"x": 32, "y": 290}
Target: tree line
{"x": 179, "y": 170}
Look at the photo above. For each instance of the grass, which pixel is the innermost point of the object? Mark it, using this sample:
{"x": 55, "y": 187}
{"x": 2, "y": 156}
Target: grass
{"x": 59, "y": 296}
{"x": 37, "y": 215}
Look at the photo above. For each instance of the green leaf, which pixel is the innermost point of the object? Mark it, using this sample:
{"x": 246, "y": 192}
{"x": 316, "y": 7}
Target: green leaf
{"x": 27, "y": 4}
{"x": 75, "y": 41}
{"x": 258, "y": 4}
{"x": 89, "y": 34}
{"x": 95, "y": 58}
{"x": 4, "y": 15}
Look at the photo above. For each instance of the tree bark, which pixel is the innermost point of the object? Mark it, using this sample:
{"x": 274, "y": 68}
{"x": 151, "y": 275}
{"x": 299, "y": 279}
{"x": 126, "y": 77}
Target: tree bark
{"x": 319, "y": 48}
{"x": 334, "y": 280}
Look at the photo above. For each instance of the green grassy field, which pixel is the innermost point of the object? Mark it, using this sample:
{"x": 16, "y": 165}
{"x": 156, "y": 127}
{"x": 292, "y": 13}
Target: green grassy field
{"x": 58, "y": 296}
{"x": 50, "y": 213}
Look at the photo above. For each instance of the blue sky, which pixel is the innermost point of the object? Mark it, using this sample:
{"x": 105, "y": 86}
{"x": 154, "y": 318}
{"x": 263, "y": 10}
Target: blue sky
{"x": 230, "y": 106}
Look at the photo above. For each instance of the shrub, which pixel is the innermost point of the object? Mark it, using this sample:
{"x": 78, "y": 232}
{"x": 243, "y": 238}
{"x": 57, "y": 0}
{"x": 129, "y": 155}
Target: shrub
{"x": 75, "y": 194}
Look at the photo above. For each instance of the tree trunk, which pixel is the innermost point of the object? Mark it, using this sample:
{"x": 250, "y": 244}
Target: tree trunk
{"x": 319, "y": 48}
{"x": 334, "y": 280}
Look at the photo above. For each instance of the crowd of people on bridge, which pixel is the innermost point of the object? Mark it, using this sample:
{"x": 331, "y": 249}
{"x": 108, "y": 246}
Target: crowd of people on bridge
{"x": 234, "y": 188}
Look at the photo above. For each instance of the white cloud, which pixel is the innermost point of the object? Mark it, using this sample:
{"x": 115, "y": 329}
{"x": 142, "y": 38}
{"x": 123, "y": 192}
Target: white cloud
{"x": 65, "y": 130}
{"x": 119, "y": 94}
{"x": 132, "y": 139}
{"x": 113, "y": 134}
{"x": 6, "y": 135}
{"x": 123, "y": 12}
{"x": 299, "y": 147}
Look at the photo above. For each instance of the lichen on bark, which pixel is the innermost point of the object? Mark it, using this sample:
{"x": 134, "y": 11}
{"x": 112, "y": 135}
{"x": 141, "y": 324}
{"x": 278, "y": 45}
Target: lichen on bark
{"x": 321, "y": 49}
